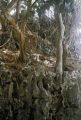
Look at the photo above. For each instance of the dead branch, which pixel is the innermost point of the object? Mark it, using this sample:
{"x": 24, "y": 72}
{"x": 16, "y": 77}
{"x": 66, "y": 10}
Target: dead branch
{"x": 59, "y": 62}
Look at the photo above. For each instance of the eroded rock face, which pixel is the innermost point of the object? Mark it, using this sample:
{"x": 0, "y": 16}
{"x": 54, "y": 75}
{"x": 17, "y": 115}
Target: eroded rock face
{"x": 72, "y": 95}
{"x": 29, "y": 94}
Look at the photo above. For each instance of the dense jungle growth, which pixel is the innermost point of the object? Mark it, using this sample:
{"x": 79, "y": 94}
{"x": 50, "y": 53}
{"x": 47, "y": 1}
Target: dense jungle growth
{"x": 40, "y": 68}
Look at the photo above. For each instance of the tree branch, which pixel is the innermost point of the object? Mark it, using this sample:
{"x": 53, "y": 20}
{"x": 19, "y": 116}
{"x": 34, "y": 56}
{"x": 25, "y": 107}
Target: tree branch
{"x": 10, "y": 6}
{"x": 34, "y": 3}
{"x": 6, "y": 41}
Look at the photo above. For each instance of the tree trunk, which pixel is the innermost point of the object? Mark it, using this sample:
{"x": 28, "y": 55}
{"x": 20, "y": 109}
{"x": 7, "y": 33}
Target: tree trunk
{"x": 65, "y": 51}
{"x": 29, "y": 3}
{"x": 59, "y": 61}
{"x": 59, "y": 66}
{"x": 20, "y": 35}
{"x": 17, "y": 9}
{"x": 21, "y": 39}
